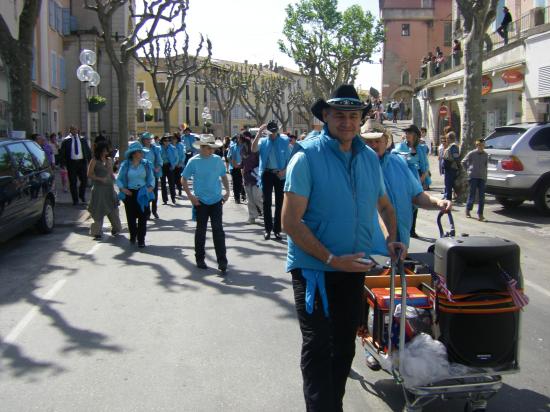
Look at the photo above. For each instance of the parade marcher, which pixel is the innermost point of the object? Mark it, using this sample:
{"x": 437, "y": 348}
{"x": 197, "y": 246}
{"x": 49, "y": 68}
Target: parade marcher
{"x": 136, "y": 180}
{"x": 426, "y": 140}
{"x": 169, "y": 162}
{"x": 394, "y": 110}
{"x": 333, "y": 189}
{"x": 180, "y": 151}
{"x": 74, "y": 156}
{"x": 208, "y": 173}
{"x": 403, "y": 189}
{"x": 274, "y": 155}
{"x": 250, "y": 170}
{"x": 417, "y": 160}
{"x": 234, "y": 159}
{"x": 103, "y": 199}
{"x": 188, "y": 139}
{"x": 451, "y": 164}
{"x": 475, "y": 163}
{"x": 152, "y": 153}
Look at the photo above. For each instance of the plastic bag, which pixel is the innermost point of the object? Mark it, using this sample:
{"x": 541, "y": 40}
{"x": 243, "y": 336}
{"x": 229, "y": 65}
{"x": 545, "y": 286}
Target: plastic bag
{"x": 417, "y": 321}
{"x": 424, "y": 361}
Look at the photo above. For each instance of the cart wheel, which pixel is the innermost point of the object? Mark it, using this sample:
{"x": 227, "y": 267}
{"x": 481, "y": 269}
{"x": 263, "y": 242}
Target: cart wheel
{"x": 475, "y": 407}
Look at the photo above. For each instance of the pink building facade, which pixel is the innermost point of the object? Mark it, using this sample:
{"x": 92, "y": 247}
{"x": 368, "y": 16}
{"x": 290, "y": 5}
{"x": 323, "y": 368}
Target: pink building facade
{"x": 413, "y": 28}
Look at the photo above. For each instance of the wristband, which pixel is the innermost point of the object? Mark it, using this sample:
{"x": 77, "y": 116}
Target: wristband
{"x": 329, "y": 259}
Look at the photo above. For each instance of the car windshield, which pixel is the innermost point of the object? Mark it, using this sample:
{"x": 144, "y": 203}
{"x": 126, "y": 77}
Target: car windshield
{"x": 503, "y": 138}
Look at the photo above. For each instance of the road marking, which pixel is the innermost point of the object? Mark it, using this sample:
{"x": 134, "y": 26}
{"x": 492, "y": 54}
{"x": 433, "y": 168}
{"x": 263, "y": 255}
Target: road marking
{"x": 538, "y": 288}
{"x": 94, "y": 249}
{"x": 23, "y": 323}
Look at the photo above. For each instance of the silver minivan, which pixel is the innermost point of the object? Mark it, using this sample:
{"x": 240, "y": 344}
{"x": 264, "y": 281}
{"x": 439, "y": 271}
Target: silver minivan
{"x": 519, "y": 165}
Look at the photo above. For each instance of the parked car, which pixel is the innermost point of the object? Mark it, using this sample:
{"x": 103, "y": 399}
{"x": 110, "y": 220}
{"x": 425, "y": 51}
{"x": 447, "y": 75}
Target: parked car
{"x": 519, "y": 164}
{"x": 26, "y": 188}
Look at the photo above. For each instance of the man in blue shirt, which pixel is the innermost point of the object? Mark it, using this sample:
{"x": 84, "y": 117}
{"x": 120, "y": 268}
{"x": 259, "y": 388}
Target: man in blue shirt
{"x": 333, "y": 190}
{"x": 234, "y": 157}
{"x": 188, "y": 139}
{"x": 207, "y": 169}
{"x": 274, "y": 155}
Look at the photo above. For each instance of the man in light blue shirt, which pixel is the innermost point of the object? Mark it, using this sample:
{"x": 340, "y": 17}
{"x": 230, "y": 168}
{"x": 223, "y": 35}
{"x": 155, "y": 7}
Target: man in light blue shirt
{"x": 208, "y": 173}
{"x": 188, "y": 139}
{"x": 234, "y": 157}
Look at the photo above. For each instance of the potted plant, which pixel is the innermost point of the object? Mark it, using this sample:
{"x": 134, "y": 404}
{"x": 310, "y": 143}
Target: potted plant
{"x": 148, "y": 117}
{"x": 96, "y": 103}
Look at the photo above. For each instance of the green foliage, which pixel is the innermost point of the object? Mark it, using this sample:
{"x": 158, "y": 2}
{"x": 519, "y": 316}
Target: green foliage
{"x": 97, "y": 99}
{"x": 327, "y": 44}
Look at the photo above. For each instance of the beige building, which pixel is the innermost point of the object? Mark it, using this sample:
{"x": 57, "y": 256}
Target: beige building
{"x": 516, "y": 76}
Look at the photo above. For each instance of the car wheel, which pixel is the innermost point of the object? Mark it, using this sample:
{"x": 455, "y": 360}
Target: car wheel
{"x": 507, "y": 202}
{"x": 47, "y": 220}
{"x": 542, "y": 198}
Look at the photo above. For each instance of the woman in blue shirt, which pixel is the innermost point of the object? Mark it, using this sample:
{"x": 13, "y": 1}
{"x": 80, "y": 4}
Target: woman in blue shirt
{"x": 152, "y": 153}
{"x": 136, "y": 181}
{"x": 180, "y": 151}
{"x": 417, "y": 160}
{"x": 169, "y": 162}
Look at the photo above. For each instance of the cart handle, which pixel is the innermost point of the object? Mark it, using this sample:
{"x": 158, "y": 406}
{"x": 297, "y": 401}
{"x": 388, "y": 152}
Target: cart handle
{"x": 451, "y": 233}
{"x": 397, "y": 266}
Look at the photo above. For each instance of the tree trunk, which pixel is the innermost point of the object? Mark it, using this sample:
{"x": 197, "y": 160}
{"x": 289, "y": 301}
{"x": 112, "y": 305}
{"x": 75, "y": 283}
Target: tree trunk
{"x": 166, "y": 120}
{"x": 122, "y": 77}
{"x": 21, "y": 92}
{"x": 472, "y": 123}
{"x": 226, "y": 120}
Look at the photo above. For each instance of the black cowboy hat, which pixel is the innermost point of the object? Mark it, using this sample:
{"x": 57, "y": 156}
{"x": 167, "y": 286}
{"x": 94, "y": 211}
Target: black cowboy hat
{"x": 413, "y": 129}
{"x": 345, "y": 97}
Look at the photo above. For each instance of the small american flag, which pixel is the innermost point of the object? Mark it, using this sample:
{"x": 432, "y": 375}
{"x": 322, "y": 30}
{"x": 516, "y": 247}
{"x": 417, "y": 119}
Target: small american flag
{"x": 520, "y": 299}
{"x": 441, "y": 286}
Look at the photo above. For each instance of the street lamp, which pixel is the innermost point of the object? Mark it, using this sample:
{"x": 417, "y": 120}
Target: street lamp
{"x": 206, "y": 119}
{"x": 90, "y": 78}
{"x": 144, "y": 104}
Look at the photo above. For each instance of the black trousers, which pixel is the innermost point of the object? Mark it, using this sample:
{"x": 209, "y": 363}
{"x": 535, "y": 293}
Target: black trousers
{"x": 177, "y": 178}
{"x": 167, "y": 174}
{"x": 238, "y": 188}
{"x": 137, "y": 220}
{"x": 188, "y": 156}
{"x": 77, "y": 169}
{"x": 156, "y": 193}
{"x": 270, "y": 182}
{"x": 328, "y": 344}
{"x": 415, "y": 215}
{"x": 214, "y": 212}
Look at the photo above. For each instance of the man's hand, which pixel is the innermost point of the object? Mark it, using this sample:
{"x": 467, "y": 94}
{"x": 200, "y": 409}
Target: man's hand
{"x": 126, "y": 192}
{"x": 349, "y": 263}
{"x": 262, "y": 128}
{"x": 281, "y": 173}
{"x": 394, "y": 248}
{"x": 445, "y": 205}
{"x": 150, "y": 189}
{"x": 226, "y": 197}
{"x": 194, "y": 200}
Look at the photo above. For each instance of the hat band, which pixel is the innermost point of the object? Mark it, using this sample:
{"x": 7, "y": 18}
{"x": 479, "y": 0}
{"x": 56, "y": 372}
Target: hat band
{"x": 345, "y": 101}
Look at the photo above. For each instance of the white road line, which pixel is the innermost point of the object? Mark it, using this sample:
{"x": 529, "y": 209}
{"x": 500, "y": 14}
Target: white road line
{"x": 536, "y": 287}
{"x": 94, "y": 249}
{"x": 23, "y": 323}
{"x": 27, "y": 319}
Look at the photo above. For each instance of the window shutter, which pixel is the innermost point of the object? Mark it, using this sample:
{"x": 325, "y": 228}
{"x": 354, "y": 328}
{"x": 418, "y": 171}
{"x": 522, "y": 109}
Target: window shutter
{"x": 66, "y": 22}
{"x": 58, "y": 18}
{"x": 51, "y": 13}
{"x": 53, "y": 69}
{"x": 62, "y": 78}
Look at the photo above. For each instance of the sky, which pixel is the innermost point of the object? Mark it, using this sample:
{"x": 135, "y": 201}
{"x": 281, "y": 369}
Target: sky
{"x": 249, "y": 29}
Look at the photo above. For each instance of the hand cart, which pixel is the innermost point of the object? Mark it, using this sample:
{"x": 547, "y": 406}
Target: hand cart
{"x": 476, "y": 387}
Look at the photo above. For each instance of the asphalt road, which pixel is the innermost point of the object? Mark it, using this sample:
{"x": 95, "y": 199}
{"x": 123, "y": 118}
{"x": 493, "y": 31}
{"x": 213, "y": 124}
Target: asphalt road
{"x": 104, "y": 326}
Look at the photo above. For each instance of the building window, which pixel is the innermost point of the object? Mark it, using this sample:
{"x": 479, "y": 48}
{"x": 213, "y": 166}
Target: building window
{"x": 62, "y": 78}
{"x": 405, "y": 78}
{"x": 58, "y": 18}
{"x": 53, "y": 69}
{"x": 405, "y": 29}
{"x": 447, "y": 33}
{"x": 427, "y": 4}
{"x": 66, "y": 21}
{"x": 158, "y": 115}
{"x": 186, "y": 92}
{"x": 188, "y": 115}
{"x": 196, "y": 116}
{"x": 196, "y": 93}
{"x": 140, "y": 87}
{"x": 205, "y": 95}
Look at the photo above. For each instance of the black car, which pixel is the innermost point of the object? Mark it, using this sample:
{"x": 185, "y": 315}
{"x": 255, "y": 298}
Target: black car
{"x": 26, "y": 188}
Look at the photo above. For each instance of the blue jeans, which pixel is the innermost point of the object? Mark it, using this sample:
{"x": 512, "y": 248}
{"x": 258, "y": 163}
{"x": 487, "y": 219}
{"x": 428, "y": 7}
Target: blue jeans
{"x": 450, "y": 177}
{"x": 479, "y": 186}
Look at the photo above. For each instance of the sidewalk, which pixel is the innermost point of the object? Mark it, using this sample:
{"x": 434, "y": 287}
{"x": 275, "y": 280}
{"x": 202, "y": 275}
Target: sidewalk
{"x": 65, "y": 213}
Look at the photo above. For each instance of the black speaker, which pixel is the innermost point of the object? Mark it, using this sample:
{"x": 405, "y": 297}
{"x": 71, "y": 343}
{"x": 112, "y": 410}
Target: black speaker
{"x": 480, "y": 325}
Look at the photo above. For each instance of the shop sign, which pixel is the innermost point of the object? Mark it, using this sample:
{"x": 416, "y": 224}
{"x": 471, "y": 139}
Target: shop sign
{"x": 512, "y": 76}
{"x": 486, "y": 85}
{"x": 443, "y": 111}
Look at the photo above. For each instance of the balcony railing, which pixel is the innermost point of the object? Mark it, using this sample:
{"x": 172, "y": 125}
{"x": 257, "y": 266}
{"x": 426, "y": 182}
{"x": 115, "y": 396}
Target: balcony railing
{"x": 517, "y": 30}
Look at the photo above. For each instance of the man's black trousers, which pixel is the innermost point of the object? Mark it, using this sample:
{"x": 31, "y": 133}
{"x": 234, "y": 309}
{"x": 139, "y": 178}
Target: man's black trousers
{"x": 270, "y": 182}
{"x": 328, "y": 343}
{"x": 214, "y": 212}
{"x": 238, "y": 188}
{"x": 77, "y": 169}
{"x": 137, "y": 219}
{"x": 167, "y": 174}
